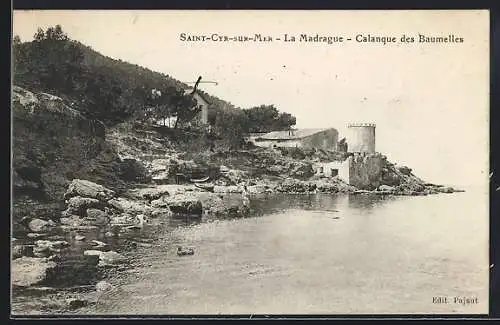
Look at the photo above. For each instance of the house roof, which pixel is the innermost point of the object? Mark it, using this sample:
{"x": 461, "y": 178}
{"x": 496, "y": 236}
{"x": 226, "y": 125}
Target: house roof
{"x": 292, "y": 135}
{"x": 202, "y": 96}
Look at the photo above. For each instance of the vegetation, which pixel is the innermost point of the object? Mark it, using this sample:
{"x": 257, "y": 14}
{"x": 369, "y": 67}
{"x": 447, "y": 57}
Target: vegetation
{"x": 114, "y": 91}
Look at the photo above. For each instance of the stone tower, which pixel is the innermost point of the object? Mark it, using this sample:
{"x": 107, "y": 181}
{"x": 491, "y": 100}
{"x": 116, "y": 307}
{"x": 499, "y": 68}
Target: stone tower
{"x": 361, "y": 137}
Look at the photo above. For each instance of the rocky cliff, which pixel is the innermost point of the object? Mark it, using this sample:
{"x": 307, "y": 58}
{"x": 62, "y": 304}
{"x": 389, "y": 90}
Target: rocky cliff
{"x": 53, "y": 144}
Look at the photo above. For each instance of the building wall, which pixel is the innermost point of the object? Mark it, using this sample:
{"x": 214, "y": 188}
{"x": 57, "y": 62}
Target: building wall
{"x": 203, "y": 115}
{"x": 326, "y": 140}
{"x": 325, "y": 169}
{"x": 361, "y": 138}
{"x": 365, "y": 170}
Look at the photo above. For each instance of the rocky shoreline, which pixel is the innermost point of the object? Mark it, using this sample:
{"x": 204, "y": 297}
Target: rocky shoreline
{"x": 93, "y": 206}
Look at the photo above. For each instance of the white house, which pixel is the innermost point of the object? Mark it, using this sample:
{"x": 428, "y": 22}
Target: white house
{"x": 203, "y": 102}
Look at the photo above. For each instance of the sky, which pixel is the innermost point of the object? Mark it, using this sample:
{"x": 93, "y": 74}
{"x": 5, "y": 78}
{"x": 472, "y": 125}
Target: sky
{"x": 430, "y": 102}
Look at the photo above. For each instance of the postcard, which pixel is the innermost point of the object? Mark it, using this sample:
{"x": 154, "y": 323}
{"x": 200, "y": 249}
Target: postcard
{"x": 250, "y": 162}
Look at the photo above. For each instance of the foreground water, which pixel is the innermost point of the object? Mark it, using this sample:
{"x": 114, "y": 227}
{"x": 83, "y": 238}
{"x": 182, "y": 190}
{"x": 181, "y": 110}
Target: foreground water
{"x": 319, "y": 254}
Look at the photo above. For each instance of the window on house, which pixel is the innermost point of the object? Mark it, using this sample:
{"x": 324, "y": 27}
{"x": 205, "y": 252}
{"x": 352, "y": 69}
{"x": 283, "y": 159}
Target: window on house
{"x": 335, "y": 172}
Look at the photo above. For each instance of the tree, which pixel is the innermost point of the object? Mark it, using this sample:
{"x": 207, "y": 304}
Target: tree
{"x": 172, "y": 102}
{"x": 39, "y": 35}
{"x": 267, "y": 118}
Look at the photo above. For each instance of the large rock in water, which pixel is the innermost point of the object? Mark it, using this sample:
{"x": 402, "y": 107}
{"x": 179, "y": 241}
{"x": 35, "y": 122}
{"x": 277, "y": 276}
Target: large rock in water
{"x": 130, "y": 206}
{"x": 27, "y": 271}
{"x": 39, "y": 225}
{"x": 81, "y": 187}
{"x": 183, "y": 204}
{"x": 78, "y": 205}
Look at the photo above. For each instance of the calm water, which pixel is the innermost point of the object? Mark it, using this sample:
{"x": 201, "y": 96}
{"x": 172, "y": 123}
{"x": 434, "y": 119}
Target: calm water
{"x": 366, "y": 254}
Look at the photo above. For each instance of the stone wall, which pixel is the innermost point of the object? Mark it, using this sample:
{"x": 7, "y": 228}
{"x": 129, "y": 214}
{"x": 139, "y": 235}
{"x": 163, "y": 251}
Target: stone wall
{"x": 365, "y": 171}
{"x": 326, "y": 140}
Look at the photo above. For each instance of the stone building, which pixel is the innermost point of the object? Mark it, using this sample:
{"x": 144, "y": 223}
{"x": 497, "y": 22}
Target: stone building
{"x": 204, "y": 103}
{"x": 361, "y": 137}
{"x": 325, "y": 139}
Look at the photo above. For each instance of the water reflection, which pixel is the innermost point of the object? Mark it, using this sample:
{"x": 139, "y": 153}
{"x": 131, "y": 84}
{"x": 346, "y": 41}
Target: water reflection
{"x": 368, "y": 202}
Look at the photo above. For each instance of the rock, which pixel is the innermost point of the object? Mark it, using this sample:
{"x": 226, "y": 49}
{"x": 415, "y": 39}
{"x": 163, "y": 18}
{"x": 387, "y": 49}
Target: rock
{"x": 132, "y": 170}
{"x": 109, "y": 234}
{"x": 97, "y": 217}
{"x": 161, "y": 213}
{"x": 80, "y": 187}
{"x": 39, "y": 225}
{"x": 103, "y": 286}
{"x": 302, "y": 170}
{"x": 27, "y": 271}
{"x": 75, "y": 303}
{"x": 227, "y": 189}
{"x": 21, "y": 250}
{"x": 111, "y": 258}
{"x": 79, "y": 237}
{"x": 404, "y": 170}
{"x": 52, "y": 245}
{"x": 130, "y": 206}
{"x": 123, "y": 219}
{"x": 35, "y": 235}
{"x": 92, "y": 252}
{"x": 41, "y": 251}
{"x": 223, "y": 169}
{"x": 76, "y": 222}
{"x": 78, "y": 205}
{"x": 445, "y": 189}
{"x": 106, "y": 258}
{"x": 386, "y": 188}
{"x": 257, "y": 189}
{"x": 99, "y": 244}
{"x": 159, "y": 203}
{"x": 183, "y": 204}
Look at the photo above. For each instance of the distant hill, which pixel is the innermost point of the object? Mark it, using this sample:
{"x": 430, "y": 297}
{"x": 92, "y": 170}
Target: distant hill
{"x": 115, "y": 91}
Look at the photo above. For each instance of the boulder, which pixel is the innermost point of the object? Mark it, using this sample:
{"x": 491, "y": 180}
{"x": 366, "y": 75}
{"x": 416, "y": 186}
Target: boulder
{"x": 103, "y": 286}
{"x": 257, "y": 189}
{"x": 39, "y": 225}
{"x": 386, "y": 188}
{"x": 404, "y": 170}
{"x": 97, "y": 217}
{"x": 111, "y": 258}
{"x": 41, "y": 251}
{"x": 227, "y": 189}
{"x": 130, "y": 206}
{"x": 34, "y": 235}
{"x": 19, "y": 251}
{"x": 78, "y": 205}
{"x": 27, "y": 271}
{"x": 445, "y": 189}
{"x": 106, "y": 258}
{"x": 183, "y": 204}
{"x": 52, "y": 245}
{"x": 92, "y": 252}
{"x": 76, "y": 222}
{"x": 122, "y": 219}
{"x": 75, "y": 303}
{"x": 81, "y": 187}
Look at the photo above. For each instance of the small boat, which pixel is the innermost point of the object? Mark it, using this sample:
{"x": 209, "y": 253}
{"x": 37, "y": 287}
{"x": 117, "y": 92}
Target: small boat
{"x": 206, "y": 187}
{"x": 199, "y": 180}
{"x": 184, "y": 251}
